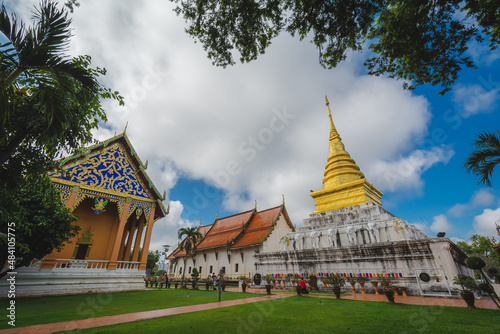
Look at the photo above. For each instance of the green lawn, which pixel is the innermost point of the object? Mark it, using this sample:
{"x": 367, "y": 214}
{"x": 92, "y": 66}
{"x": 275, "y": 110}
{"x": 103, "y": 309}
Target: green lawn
{"x": 314, "y": 315}
{"x": 44, "y": 310}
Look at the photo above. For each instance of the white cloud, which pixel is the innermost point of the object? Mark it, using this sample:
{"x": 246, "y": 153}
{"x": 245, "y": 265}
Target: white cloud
{"x": 480, "y": 198}
{"x": 484, "y": 224}
{"x": 441, "y": 224}
{"x": 474, "y": 99}
{"x": 405, "y": 173}
{"x": 165, "y": 230}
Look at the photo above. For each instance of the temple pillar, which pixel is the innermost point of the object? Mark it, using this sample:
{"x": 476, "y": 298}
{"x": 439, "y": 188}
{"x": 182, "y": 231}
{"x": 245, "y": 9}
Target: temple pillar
{"x": 126, "y": 255}
{"x": 138, "y": 238}
{"x": 118, "y": 237}
{"x": 126, "y": 233}
{"x": 147, "y": 239}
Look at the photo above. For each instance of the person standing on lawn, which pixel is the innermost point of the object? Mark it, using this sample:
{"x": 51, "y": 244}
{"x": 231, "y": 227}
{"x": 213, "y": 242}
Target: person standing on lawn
{"x": 303, "y": 286}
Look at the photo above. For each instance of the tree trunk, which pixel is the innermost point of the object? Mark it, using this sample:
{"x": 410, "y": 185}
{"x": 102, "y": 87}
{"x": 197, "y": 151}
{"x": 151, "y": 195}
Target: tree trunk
{"x": 183, "y": 272}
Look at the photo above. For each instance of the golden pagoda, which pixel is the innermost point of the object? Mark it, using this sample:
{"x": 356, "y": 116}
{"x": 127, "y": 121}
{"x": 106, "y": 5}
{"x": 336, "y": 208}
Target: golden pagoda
{"x": 344, "y": 184}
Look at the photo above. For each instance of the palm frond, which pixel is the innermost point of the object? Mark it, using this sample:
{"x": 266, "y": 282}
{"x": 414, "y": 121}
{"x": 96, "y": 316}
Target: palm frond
{"x": 484, "y": 159}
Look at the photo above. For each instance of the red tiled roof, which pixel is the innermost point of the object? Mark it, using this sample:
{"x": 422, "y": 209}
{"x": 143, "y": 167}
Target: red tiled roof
{"x": 259, "y": 228}
{"x": 225, "y": 230}
{"x": 242, "y": 230}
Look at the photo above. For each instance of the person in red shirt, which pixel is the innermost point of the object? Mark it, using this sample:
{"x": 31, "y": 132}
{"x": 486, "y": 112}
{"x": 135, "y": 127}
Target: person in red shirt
{"x": 303, "y": 286}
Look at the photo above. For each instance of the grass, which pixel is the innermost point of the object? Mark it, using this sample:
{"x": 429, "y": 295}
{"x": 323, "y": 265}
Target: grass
{"x": 291, "y": 315}
{"x": 44, "y": 310}
{"x": 314, "y": 315}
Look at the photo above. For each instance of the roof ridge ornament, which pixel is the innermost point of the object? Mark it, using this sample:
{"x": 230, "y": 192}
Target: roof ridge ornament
{"x": 283, "y": 199}
{"x": 125, "y": 130}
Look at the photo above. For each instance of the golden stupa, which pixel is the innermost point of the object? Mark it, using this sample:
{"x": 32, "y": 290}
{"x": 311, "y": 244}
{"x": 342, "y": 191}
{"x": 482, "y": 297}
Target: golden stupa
{"x": 344, "y": 184}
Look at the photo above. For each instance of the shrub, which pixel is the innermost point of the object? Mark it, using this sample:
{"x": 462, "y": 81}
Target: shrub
{"x": 475, "y": 263}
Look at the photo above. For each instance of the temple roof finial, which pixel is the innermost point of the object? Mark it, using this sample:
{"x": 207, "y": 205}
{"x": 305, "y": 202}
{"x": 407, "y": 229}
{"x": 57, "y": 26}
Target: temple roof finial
{"x": 255, "y": 205}
{"x": 283, "y": 199}
{"x": 333, "y": 131}
{"x": 125, "y": 130}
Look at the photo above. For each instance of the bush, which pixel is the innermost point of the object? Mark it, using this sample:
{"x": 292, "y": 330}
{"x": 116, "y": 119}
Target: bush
{"x": 475, "y": 263}
{"x": 485, "y": 287}
{"x": 467, "y": 284}
{"x": 493, "y": 271}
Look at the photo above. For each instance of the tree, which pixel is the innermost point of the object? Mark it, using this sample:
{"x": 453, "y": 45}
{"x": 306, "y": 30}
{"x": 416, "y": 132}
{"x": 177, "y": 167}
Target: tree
{"x": 191, "y": 239}
{"x": 42, "y": 222}
{"x": 49, "y": 104}
{"x": 484, "y": 159}
{"x": 419, "y": 42}
{"x": 479, "y": 245}
{"x": 152, "y": 259}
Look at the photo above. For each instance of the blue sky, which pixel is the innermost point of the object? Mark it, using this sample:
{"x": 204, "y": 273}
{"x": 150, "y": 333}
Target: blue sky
{"x": 218, "y": 140}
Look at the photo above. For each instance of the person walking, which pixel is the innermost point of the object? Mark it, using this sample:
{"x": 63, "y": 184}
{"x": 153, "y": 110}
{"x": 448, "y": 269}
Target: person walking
{"x": 303, "y": 286}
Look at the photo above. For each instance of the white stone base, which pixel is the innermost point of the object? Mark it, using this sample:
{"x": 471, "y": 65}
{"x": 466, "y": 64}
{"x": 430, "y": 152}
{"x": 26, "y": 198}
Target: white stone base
{"x": 36, "y": 282}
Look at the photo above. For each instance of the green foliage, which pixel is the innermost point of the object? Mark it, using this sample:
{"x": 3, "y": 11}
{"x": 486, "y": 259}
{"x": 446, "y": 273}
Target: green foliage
{"x": 418, "y": 42}
{"x": 479, "y": 245}
{"x": 336, "y": 281}
{"x": 49, "y": 103}
{"x": 152, "y": 259}
{"x": 387, "y": 282}
{"x": 486, "y": 156}
{"x": 475, "y": 263}
{"x": 466, "y": 284}
{"x": 191, "y": 238}
{"x": 42, "y": 223}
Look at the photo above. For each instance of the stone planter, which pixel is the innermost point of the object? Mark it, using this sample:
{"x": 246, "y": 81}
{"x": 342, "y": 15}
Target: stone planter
{"x": 389, "y": 293}
{"x": 469, "y": 299}
{"x": 336, "y": 291}
{"x": 268, "y": 289}
{"x": 207, "y": 285}
{"x": 362, "y": 287}
{"x": 244, "y": 287}
{"x": 298, "y": 289}
{"x": 403, "y": 290}
{"x": 353, "y": 284}
{"x": 176, "y": 284}
{"x": 375, "y": 285}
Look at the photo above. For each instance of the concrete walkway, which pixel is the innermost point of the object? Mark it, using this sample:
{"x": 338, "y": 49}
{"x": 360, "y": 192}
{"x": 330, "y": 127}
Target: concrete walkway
{"x": 131, "y": 317}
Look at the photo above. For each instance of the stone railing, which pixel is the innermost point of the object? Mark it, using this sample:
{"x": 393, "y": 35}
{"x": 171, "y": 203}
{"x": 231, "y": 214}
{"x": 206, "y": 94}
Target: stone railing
{"x": 124, "y": 265}
{"x": 72, "y": 264}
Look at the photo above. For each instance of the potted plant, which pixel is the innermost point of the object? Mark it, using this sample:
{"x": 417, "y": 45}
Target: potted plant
{"x": 337, "y": 282}
{"x": 195, "y": 276}
{"x": 243, "y": 280}
{"x": 268, "y": 280}
{"x": 389, "y": 292}
{"x": 353, "y": 285}
{"x": 375, "y": 285}
{"x": 361, "y": 282}
{"x": 467, "y": 287}
{"x": 313, "y": 283}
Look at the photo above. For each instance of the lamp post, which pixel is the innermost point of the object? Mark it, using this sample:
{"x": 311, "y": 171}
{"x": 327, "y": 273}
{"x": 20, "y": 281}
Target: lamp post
{"x": 165, "y": 252}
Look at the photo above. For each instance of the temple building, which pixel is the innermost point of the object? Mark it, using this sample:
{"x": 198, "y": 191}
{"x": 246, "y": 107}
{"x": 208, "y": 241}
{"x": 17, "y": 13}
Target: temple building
{"x": 351, "y": 235}
{"x": 117, "y": 204}
{"x": 230, "y": 243}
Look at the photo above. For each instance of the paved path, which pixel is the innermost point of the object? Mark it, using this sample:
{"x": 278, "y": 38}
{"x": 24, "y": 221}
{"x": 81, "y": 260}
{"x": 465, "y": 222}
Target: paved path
{"x": 131, "y": 317}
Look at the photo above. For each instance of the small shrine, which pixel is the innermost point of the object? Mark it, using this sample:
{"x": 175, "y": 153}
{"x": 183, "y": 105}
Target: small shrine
{"x": 117, "y": 205}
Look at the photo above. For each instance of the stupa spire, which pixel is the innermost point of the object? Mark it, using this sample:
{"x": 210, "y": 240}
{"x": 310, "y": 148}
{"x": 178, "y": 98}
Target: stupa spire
{"x": 343, "y": 184}
{"x": 333, "y": 131}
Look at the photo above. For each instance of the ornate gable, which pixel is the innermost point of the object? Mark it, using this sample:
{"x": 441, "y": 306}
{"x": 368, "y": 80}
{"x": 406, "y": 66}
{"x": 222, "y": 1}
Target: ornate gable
{"x": 108, "y": 170}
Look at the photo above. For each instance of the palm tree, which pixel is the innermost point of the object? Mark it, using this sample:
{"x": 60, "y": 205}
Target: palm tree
{"x": 61, "y": 93}
{"x": 192, "y": 237}
{"x": 483, "y": 160}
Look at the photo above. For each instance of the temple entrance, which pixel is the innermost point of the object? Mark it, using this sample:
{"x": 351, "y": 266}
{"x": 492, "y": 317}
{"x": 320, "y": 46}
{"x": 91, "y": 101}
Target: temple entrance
{"x": 81, "y": 253}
